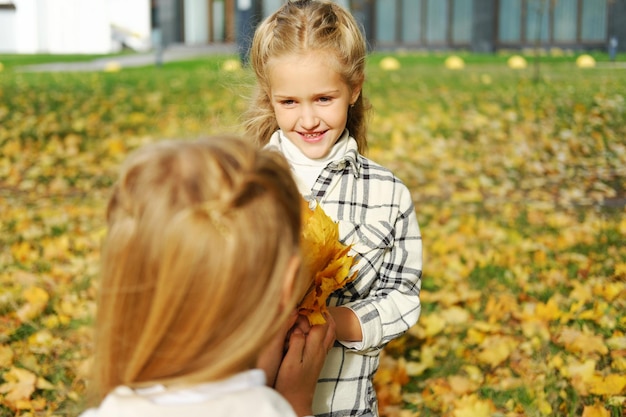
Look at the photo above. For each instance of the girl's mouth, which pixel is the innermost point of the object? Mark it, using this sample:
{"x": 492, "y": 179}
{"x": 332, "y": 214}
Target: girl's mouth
{"x": 312, "y": 137}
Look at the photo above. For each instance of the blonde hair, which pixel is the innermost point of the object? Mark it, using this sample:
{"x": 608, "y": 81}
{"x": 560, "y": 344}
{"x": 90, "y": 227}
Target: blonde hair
{"x": 299, "y": 27}
{"x": 194, "y": 263}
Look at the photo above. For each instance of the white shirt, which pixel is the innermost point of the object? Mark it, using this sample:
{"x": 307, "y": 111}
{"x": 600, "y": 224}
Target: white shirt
{"x": 244, "y": 394}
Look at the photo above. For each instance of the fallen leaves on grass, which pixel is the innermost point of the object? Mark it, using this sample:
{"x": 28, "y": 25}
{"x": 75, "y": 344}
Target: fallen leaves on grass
{"x": 521, "y": 204}
{"x": 519, "y": 190}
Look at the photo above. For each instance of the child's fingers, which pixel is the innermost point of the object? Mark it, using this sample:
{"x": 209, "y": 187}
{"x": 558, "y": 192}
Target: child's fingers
{"x": 298, "y": 373}
{"x": 321, "y": 337}
{"x": 303, "y": 324}
{"x": 328, "y": 330}
{"x": 297, "y": 343}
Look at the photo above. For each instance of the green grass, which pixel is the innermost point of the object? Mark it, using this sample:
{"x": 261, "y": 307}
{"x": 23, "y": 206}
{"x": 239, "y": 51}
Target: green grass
{"x": 10, "y": 61}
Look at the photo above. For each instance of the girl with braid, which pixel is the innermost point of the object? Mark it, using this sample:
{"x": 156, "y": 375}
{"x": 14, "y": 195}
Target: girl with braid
{"x": 199, "y": 287}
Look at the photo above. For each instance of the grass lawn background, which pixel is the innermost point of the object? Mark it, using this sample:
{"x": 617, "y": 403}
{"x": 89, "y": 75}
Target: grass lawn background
{"x": 518, "y": 178}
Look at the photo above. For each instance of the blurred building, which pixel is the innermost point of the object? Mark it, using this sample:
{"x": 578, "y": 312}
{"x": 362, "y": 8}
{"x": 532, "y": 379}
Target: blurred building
{"x": 97, "y": 26}
{"x": 74, "y": 26}
{"x": 490, "y": 25}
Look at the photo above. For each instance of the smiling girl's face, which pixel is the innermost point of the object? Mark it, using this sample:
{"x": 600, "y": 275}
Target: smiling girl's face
{"x": 310, "y": 101}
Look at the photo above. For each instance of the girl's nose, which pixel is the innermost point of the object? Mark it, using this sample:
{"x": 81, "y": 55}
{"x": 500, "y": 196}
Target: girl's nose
{"x": 308, "y": 118}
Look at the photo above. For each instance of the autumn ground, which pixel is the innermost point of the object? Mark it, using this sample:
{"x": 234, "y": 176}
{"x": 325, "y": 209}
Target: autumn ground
{"x": 519, "y": 182}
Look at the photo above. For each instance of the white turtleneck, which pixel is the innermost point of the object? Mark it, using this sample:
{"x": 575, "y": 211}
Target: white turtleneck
{"x": 305, "y": 169}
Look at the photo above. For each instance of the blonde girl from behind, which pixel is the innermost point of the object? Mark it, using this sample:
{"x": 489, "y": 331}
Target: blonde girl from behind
{"x": 199, "y": 275}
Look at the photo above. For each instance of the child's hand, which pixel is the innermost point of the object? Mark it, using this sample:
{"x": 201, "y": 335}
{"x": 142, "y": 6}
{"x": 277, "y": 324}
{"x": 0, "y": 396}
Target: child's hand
{"x": 302, "y": 323}
{"x": 270, "y": 358}
{"x": 302, "y": 364}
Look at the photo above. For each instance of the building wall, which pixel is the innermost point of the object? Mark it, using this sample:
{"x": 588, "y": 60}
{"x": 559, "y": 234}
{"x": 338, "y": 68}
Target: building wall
{"x": 61, "y": 26}
{"x": 93, "y": 26}
{"x": 571, "y": 24}
{"x": 7, "y": 30}
{"x": 131, "y": 21}
{"x": 486, "y": 25}
{"x": 196, "y": 21}
{"x": 74, "y": 26}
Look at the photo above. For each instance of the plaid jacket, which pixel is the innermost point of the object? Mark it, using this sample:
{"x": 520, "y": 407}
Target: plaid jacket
{"x": 376, "y": 215}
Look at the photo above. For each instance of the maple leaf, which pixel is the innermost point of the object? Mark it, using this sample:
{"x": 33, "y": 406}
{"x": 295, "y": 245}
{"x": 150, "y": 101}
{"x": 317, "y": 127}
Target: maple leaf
{"x": 427, "y": 359}
{"x": 6, "y": 356}
{"x": 581, "y": 341}
{"x": 549, "y": 311}
{"x": 19, "y": 386}
{"x": 472, "y": 406}
{"x": 496, "y": 349}
{"x": 462, "y": 385}
{"x": 612, "y": 384}
{"x": 36, "y": 301}
{"x": 596, "y": 410}
{"x": 325, "y": 261}
{"x": 580, "y": 374}
{"x": 430, "y": 325}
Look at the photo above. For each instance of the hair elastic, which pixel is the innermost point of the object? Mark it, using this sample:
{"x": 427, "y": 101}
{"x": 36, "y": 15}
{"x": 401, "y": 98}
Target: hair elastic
{"x": 215, "y": 216}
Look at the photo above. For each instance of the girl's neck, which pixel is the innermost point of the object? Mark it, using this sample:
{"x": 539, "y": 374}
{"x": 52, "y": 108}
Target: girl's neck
{"x": 296, "y": 157}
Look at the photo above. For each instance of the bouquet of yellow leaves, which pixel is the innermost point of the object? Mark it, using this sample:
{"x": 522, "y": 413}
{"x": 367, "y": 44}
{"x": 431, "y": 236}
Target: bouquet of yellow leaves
{"x": 325, "y": 260}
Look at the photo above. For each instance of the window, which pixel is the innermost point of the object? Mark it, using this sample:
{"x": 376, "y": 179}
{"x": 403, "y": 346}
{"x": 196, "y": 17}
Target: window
{"x": 437, "y": 19}
{"x": 565, "y": 20}
{"x": 462, "y": 18}
{"x": 386, "y": 21}
{"x": 594, "y": 20}
{"x": 412, "y": 21}
{"x": 537, "y": 20}
{"x": 509, "y": 21}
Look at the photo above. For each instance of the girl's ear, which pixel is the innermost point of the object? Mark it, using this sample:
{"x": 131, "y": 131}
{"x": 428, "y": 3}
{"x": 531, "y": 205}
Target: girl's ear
{"x": 356, "y": 91}
{"x": 290, "y": 279}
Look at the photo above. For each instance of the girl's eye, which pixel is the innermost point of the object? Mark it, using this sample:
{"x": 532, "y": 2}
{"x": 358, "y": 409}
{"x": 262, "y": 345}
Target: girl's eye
{"x": 325, "y": 99}
{"x": 287, "y": 102}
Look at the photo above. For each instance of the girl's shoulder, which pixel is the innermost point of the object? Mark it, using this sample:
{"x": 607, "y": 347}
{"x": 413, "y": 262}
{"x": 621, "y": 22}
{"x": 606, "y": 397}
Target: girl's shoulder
{"x": 259, "y": 401}
{"x": 366, "y": 161}
{"x": 370, "y": 169}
